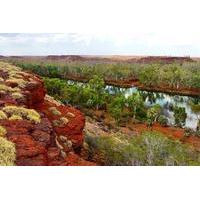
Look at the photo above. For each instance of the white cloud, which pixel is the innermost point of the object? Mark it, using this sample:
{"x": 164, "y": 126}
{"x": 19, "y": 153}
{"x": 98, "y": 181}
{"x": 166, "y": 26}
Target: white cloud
{"x": 119, "y": 43}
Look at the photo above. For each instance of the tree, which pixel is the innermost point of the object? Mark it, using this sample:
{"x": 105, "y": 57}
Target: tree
{"x": 135, "y": 103}
{"x": 180, "y": 116}
{"x": 97, "y": 88}
{"x": 196, "y": 109}
{"x": 149, "y": 75}
{"x": 152, "y": 114}
{"x": 117, "y": 106}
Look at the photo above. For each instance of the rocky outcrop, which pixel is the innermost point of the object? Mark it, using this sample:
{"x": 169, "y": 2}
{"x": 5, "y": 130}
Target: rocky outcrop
{"x": 164, "y": 59}
{"x": 44, "y": 131}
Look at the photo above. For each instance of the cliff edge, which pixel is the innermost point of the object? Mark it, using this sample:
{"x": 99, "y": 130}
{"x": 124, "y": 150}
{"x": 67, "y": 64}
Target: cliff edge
{"x": 34, "y": 128}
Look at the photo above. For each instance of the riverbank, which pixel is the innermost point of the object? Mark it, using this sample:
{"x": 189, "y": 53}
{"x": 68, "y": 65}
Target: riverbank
{"x": 100, "y": 123}
{"x": 193, "y": 92}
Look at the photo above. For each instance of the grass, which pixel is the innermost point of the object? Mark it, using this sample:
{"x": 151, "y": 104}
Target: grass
{"x": 28, "y": 114}
{"x": 148, "y": 149}
{"x": 7, "y": 152}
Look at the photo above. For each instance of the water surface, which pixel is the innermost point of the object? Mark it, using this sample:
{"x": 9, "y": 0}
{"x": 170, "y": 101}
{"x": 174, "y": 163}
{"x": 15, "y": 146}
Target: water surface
{"x": 166, "y": 101}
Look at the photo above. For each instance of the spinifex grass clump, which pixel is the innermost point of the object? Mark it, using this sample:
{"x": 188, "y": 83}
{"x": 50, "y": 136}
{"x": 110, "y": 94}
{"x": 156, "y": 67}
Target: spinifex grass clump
{"x": 61, "y": 122}
{"x": 21, "y": 112}
{"x": 7, "y": 149}
{"x": 11, "y": 82}
{"x": 3, "y": 115}
{"x": 54, "y": 111}
{"x": 2, "y": 131}
{"x": 7, "y": 152}
{"x": 17, "y": 95}
{"x": 6, "y": 88}
{"x": 18, "y": 81}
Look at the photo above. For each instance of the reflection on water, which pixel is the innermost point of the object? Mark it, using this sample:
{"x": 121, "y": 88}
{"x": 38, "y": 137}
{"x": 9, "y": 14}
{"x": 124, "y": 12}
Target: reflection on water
{"x": 166, "y": 101}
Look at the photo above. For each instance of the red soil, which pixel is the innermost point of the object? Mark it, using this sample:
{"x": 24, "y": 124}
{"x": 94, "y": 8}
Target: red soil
{"x": 171, "y": 132}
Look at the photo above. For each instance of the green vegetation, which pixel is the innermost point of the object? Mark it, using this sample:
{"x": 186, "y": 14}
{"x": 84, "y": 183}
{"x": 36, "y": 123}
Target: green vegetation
{"x": 150, "y": 148}
{"x": 195, "y": 107}
{"x": 174, "y": 75}
{"x": 94, "y": 95}
{"x": 179, "y": 115}
{"x": 153, "y": 114}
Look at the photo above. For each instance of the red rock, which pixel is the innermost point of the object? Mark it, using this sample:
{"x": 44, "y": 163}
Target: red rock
{"x": 42, "y": 137}
{"x": 36, "y": 143}
{"x": 26, "y": 146}
{"x": 40, "y": 160}
{"x": 53, "y": 153}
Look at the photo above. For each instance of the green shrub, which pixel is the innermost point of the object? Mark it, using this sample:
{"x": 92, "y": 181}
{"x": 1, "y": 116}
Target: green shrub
{"x": 153, "y": 113}
{"x": 149, "y": 148}
{"x": 180, "y": 116}
{"x": 162, "y": 120}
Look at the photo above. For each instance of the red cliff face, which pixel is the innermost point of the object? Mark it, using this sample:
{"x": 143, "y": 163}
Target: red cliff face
{"x": 51, "y": 134}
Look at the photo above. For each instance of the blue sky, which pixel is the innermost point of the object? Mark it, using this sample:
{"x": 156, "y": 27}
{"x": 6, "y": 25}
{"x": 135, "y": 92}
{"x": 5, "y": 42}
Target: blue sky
{"x": 97, "y": 44}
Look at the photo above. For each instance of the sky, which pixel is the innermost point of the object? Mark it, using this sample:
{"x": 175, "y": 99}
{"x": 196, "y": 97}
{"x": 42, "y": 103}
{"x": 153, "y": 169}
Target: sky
{"x": 106, "y": 27}
{"x": 94, "y": 44}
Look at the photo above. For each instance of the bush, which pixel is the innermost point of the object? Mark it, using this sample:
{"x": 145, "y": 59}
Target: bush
{"x": 2, "y": 131}
{"x": 61, "y": 122}
{"x": 3, "y": 115}
{"x": 180, "y": 116}
{"x": 18, "y": 81}
{"x": 15, "y": 117}
{"x": 24, "y": 113}
{"x": 116, "y": 107}
{"x": 17, "y": 95}
{"x": 162, "y": 120}
{"x": 54, "y": 111}
{"x": 8, "y": 89}
{"x": 150, "y": 148}
{"x": 7, "y": 152}
{"x": 152, "y": 114}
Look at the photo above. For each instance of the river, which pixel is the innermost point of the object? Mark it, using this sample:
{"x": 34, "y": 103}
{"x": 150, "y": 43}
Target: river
{"x": 166, "y": 101}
